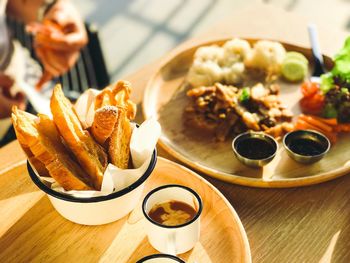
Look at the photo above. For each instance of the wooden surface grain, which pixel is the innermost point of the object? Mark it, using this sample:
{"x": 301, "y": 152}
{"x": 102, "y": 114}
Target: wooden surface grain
{"x": 307, "y": 224}
{"x": 32, "y": 231}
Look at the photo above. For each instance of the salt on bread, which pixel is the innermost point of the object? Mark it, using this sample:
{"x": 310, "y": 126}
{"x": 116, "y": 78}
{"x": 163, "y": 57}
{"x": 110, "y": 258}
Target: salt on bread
{"x": 116, "y": 97}
{"x": 44, "y": 142}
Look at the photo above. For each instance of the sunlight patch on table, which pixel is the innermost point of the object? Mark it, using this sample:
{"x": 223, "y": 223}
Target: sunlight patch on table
{"x": 13, "y": 208}
{"x": 327, "y": 256}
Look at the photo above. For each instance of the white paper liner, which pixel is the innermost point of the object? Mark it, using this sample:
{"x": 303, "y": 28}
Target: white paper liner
{"x": 142, "y": 144}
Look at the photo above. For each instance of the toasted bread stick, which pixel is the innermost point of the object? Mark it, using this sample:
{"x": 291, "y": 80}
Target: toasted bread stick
{"x": 90, "y": 155}
{"x": 117, "y": 95}
{"x": 119, "y": 142}
{"x": 104, "y": 121}
{"x": 45, "y": 143}
{"x": 24, "y": 142}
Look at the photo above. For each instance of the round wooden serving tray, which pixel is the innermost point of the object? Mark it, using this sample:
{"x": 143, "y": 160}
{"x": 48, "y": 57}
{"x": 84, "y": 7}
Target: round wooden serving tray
{"x": 31, "y": 229}
{"x": 165, "y": 98}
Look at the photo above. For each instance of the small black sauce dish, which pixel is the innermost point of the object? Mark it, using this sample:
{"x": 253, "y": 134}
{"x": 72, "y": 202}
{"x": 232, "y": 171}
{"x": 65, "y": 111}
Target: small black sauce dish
{"x": 254, "y": 149}
{"x": 306, "y": 146}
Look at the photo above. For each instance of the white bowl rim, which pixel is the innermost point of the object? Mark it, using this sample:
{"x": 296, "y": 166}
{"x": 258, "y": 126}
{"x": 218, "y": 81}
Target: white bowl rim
{"x": 35, "y": 178}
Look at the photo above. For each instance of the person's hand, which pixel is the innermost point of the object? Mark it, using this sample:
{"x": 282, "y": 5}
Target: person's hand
{"x": 58, "y": 39}
{"x": 6, "y": 99}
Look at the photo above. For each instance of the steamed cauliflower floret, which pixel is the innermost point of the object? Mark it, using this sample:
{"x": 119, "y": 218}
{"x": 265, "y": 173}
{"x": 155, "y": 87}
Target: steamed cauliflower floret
{"x": 235, "y": 50}
{"x": 204, "y": 73}
{"x": 233, "y": 74}
{"x": 267, "y": 56}
{"x": 227, "y": 63}
{"x": 209, "y": 53}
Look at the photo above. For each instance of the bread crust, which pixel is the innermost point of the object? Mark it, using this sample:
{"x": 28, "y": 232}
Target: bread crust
{"x": 104, "y": 121}
{"x": 117, "y": 95}
{"x": 75, "y": 157}
{"x": 90, "y": 155}
{"x": 46, "y": 146}
{"x": 24, "y": 142}
{"x": 119, "y": 142}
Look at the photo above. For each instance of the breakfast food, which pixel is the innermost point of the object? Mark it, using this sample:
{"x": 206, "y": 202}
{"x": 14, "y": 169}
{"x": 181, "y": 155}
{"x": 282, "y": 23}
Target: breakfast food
{"x": 120, "y": 132}
{"x": 118, "y": 148}
{"x": 104, "y": 121}
{"x": 43, "y": 139}
{"x": 17, "y": 118}
{"x": 117, "y": 95}
{"x": 89, "y": 154}
{"x": 76, "y": 157}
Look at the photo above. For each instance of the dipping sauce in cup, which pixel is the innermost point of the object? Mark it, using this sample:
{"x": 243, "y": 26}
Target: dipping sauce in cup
{"x": 254, "y": 149}
{"x": 173, "y": 216}
{"x": 172, "y": 213}
{"x": 306, "y": 146}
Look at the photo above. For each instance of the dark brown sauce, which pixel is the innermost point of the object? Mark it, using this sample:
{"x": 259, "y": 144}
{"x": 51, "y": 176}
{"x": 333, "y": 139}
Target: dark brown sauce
{"x": 255, "y": 148}
{"x": 307, "y": 147}
{"x": 172, "y": 213}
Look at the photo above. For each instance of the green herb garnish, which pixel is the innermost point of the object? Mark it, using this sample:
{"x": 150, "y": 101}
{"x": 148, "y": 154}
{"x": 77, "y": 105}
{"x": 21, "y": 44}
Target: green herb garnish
{"x": 245, "y": 95}
{"x": 342, "y": 62}
{"x": 327, "y": 82}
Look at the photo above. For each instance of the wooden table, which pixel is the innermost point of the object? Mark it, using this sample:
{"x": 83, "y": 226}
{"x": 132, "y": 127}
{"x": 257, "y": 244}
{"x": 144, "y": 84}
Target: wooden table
{"x": 307, "y": 224}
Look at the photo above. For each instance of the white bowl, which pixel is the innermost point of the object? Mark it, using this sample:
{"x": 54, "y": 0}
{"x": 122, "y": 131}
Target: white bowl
{"x": 96, "y": 210}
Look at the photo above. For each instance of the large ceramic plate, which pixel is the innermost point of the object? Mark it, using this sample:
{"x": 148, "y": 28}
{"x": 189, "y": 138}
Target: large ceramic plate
{"x": 32, "y": 230}
{"x": 165, "y": 98}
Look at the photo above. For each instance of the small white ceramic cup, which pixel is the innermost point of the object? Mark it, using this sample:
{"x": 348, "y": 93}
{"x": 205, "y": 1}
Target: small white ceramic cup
{"x": 160, "y": 258}
{"x": 173, "y": 239}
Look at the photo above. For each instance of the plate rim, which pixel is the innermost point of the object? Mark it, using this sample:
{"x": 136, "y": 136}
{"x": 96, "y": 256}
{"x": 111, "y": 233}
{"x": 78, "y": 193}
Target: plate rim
{"x": 226, "y": 177}
{"x": 244, "y": 236}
